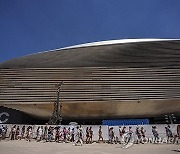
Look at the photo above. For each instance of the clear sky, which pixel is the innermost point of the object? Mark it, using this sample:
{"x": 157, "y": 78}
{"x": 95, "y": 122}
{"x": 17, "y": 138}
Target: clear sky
{"x": 30, "y": 26}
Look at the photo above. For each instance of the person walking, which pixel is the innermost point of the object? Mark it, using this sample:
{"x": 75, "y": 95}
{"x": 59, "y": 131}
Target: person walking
{"x": 87, "y": 135}
{"x": 90, "y": 135}
{"x": 120, "y": 134}
{"x": 100, "y": 134}
{"x": 29, "y": 134}
{"x": 40, "y": 134}
{"x": 143, "y": 139}
{"x": 13, "y": 132}
{"x": 111, "y": 135}
{"x": 37, "y": 133}
{"x": 138, "y": 133}
{"x": 17, "y": 136}
{"x": 23, "y": 132}
{"x": 72, "y": 135}
{"x": 1, "y": 130}
{"x": 78, "y": 137}
{"x": 45, "y": 132}
{"x": 49, "y": 138}
{"x": 129, "y": 138}
{"x": 129, "y": 135}
{"x": 155, "y": 133}
{"x": 168, "y": 133}
{"x": 65, "y": 134}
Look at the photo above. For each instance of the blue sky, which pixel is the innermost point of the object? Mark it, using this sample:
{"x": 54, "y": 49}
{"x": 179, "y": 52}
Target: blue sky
{"x": 30, "y": 26}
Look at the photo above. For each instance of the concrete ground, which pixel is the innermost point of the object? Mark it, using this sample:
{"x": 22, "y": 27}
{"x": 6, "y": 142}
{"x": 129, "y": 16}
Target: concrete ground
{"x": 24, "y": 147}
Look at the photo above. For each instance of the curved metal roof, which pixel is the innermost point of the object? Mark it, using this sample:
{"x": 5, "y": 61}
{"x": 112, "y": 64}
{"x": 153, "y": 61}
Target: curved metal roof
{"x": 121, "y": 41}
{"x": 114, "y": 53}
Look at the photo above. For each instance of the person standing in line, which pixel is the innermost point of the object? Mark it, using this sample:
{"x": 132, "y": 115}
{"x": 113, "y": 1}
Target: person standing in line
{"x": 69, "y": 134}
{"x": 13, "y": 132}
{"x": 168, "y": 133}
{"x": 120, "y": 134}
{"x": 45, "y": 132}
{"x": 72, "y": 135}
{"x": 17, "y": 136}
{"x": 90, "y": 135}
{"x": 57, "y": 135}
{"x": 49, "y": 134}
{"x": 128, "y": 142}
{"x": 87, "y": 135}
{"x": 138, "y": 133}
{"x": 178, "y": 132}
{"x": 40, "y": 134}
{"x": 155, "y": 133}
{"x": 177, "y": 135}
{"x": 124, "y": 131}
{"x": 65, "y": 134}
{"x": 143, "y": 131}
{"x": 81, "y": 133}
{"x": 129, "y": 135}
{"x": 37, "y": 133}
{"x": 29, "y": 134}
{"x": 100, "y": 134}
{"x": 78, "y": 137}
{"x": 26, "y": 133}
{"x": 3, "y": 133}
{"x": 53, "y": 133}
{"x": 124, "y": 134}
{"x": 22, "y": 132}
{"x": 61, "y": 134}
{"x": 1, "y": 130}
{"x": 111, "y": 135}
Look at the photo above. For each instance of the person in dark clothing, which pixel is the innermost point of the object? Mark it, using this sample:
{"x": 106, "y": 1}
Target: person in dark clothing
{"x": 155, "y": 133}
{"x": 72, "y": 135}
{"x": 13, "y": 132}
{"x": 100, "y": 134}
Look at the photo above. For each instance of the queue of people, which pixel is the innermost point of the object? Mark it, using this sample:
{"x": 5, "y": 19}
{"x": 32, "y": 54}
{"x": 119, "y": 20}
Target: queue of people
{"x": 48, "y": 134}
{"x": 126, "y": 135}
{"x": 77, "y": 136}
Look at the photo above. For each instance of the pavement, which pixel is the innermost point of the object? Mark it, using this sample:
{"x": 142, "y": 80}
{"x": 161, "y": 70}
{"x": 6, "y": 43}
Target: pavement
{"x": 33, "y": 147}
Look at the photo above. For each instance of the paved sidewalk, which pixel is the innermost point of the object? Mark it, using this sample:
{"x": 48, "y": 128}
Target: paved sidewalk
{"x": 24, "y": 147}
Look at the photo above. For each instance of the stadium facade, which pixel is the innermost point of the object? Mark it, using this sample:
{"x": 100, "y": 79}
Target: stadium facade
{"x": 133, "y": 78}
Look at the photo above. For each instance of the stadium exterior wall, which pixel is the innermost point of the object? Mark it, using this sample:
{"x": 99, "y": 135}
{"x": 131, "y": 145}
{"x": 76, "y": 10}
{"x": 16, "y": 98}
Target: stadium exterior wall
{"x": 139, "y": 79}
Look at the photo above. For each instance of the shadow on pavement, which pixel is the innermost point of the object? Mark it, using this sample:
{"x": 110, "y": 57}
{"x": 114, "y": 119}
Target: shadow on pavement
{"x": 176, "y": 150}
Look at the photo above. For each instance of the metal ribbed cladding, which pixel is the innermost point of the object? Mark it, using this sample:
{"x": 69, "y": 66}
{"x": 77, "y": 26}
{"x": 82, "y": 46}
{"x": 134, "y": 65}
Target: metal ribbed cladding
{"x": 88, "y": 84}
{"x": 125, "y": 55}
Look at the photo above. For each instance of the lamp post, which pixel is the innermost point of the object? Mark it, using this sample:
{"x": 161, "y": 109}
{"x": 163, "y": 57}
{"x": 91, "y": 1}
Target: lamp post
{"x": 56, "y": 117}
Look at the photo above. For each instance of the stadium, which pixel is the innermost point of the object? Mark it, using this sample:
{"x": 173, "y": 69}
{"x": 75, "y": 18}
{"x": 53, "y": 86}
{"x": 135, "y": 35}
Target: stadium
{"x": 117, "y": 79}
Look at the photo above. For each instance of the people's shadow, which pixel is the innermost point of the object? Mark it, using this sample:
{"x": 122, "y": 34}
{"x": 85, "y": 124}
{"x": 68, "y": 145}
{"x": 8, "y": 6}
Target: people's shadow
{"x": 176, "y": 150}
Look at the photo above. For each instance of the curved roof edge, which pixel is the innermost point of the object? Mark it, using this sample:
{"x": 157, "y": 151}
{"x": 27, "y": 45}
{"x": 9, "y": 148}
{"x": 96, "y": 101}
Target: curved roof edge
{"x": 100, "y": 43}
{"x": 109, "y": 42}
{"x": 74, "y": 56}
{"x": 121, "y": 41}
